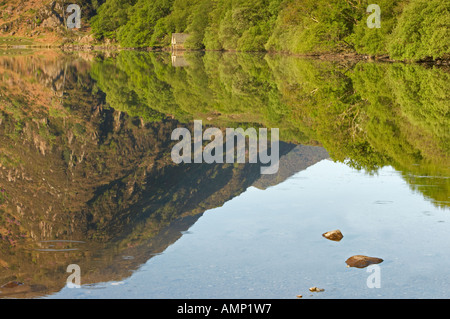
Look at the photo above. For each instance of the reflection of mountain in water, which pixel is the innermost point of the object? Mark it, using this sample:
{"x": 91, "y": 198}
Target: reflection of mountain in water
{"x": 85, "y": 170}
{"x": 89, "y": 185}
{"x": 367, "y": 115}
{"x": 298, "y": 159}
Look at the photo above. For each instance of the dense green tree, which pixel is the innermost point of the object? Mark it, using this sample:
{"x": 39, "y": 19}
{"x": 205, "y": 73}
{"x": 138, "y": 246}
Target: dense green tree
{"x": 110, "y": 16}
{"x": 414, "y": 29}
{"x": 423, "y": 30}
{"x": 375, "y": 41}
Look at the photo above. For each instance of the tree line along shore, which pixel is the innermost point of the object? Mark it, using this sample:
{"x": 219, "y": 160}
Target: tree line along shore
{"x": 409, "y": 30}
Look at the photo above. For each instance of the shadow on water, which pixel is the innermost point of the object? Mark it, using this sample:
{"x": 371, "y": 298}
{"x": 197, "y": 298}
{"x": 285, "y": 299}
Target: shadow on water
{"x": 86, "y": 175}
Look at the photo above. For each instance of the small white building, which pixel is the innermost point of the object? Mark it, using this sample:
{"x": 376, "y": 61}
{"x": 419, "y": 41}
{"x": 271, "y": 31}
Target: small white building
{"x": 178, "y": 40}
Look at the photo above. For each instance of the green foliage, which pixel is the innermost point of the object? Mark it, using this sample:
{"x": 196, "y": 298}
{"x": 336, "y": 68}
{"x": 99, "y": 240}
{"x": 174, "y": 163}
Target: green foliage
{"x": 243, "y": 25}
{"x": 120, "y": 95}
{"x": 198, "y": 22}
{"x": 110, "y": 16}
{"x": 375, "y": 41}
{"x": 310, "y": 26}
{"x": 423, "y": 31}
{"x": 141, "y": 29}
{"x": 413, "y": 29}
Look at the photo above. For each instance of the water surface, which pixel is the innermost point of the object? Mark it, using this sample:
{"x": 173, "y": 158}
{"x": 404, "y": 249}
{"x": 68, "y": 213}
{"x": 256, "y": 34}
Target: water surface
{"x": 86, "y": 177}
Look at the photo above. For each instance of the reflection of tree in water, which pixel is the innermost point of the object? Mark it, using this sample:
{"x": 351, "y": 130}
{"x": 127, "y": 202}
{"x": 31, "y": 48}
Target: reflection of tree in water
{"x": 95, "y": 164}
{"x": 88, "y": 184}
{"x": 367, "y": 115}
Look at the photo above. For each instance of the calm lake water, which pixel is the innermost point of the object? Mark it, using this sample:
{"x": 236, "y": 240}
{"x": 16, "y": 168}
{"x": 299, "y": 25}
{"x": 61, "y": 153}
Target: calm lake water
{"x": 87, "y": 178}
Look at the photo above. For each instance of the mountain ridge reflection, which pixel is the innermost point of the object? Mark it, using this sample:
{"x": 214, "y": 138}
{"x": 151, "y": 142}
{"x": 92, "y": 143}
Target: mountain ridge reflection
{"x": 85, "y": 148}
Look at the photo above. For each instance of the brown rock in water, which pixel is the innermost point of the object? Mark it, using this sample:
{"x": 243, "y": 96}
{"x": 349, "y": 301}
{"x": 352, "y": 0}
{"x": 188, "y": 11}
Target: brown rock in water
{"x": 315, "y": 289}
{"x": 360, "y": 261}
{"x": 335, "y": 235}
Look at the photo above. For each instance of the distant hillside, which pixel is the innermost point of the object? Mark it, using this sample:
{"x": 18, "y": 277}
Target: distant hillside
{"x": 41, "y": 22}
